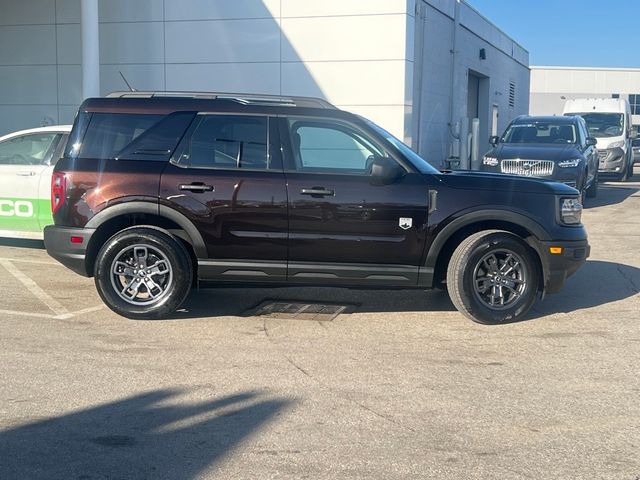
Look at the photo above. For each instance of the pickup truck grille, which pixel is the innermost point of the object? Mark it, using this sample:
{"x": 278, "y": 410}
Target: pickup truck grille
{"x": 527, "y": 168}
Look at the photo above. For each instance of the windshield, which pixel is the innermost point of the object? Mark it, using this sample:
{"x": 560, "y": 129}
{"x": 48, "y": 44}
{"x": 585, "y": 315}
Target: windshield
{"x": 416, "y": 160}
{"x": 602, "y": 125}
{"x": 540, "y": 132}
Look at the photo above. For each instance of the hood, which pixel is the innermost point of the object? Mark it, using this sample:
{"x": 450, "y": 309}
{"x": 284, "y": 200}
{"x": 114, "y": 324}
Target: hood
{"x": 472, "y": 180}
{"x": 605, "y": 142}
{"x": 534, "y": 152}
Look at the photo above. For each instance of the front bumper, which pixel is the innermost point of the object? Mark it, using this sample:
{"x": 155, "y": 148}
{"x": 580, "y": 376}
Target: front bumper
{"x": 611, "y": 160}
{"x": 558, "y": 267}
{"x": 57, "y": 240}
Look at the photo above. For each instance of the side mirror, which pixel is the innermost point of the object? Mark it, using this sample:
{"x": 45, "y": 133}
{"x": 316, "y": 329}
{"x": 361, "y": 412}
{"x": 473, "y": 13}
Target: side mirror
{"x": 494, "y": 140}
{"x": 385, "y": 170}
{"x": 591, "y": 142}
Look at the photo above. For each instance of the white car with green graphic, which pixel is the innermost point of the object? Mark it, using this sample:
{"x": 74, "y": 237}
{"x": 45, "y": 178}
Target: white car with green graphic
{"x": 27, "y": 158}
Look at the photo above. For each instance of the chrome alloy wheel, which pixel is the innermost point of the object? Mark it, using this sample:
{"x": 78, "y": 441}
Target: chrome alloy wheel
{"x": 141, "y": 274}
{"x": 500, "y": 279}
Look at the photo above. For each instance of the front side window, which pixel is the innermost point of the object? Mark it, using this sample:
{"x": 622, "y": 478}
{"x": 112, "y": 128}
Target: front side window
{"x": 227, "y": 142}
{"x": 27, "y": 149}
{"x": 324, "y": 147}
{"x": 540, "y": 132}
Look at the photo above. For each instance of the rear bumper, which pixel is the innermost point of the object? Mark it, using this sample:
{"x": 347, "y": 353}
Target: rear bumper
{"x": 57, "y": 240}
{"x": 558, "y": 267}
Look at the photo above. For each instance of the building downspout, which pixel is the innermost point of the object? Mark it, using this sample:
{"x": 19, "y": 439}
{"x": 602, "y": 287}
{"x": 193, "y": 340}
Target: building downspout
{"x": 454, "y": 58}
{"x": 90, "y": 48}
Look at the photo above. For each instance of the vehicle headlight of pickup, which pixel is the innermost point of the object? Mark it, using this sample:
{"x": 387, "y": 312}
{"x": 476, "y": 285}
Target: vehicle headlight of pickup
{"x": 574, "y": 162}
{"x": 570, "y": 211}
{"x": 613, "y": 145}
{"x": 490, "y": 161}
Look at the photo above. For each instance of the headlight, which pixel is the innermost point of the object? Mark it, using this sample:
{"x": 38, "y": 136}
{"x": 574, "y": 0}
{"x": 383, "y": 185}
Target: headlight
{"x": 619, "y": 144}
{"x": 490, "y": 161}
{"x": 574, "y": 162}
{"x": 570, "y": 211}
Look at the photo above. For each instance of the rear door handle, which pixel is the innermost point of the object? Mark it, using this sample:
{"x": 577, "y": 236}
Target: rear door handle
{"x": 196, "y": 187}
{"x": 319, "y": 191}
{"x": 26, "y": 174}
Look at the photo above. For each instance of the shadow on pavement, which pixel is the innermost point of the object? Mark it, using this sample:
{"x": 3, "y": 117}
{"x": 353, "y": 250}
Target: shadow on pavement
{"x": 218, "y": 302}
{"x": 144, "y": 436}
{"x": 611, "y": 195}
{"x": 596, "y": 283}
{"x": 22, "y": 243}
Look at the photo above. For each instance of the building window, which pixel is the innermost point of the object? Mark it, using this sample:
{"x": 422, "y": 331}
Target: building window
{"x": 615, "y": 95}
{"x": 634, "y": 101}
{"x": 512, "y": 94}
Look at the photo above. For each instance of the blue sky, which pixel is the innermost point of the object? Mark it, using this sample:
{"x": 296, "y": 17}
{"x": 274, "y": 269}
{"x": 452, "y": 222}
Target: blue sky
{"x": 590, "y": 33}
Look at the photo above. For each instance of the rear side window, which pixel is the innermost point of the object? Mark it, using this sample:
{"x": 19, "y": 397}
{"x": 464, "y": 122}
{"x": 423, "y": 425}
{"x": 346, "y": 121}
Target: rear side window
{"x": 227, "y": 142}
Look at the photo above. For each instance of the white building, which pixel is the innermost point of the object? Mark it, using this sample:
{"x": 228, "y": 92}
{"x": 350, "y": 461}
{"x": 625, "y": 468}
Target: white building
{"x": 551, "y": 86}
{"x": 414, "y": 66}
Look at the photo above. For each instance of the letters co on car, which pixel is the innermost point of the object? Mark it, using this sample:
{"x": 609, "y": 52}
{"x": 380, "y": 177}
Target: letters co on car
{"x": 156, "y": 191}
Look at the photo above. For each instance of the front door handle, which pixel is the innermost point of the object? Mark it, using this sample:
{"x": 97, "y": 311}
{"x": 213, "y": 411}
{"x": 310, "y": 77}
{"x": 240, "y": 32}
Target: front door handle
{"x": 196, "y": 187}
{"x": 318, "y": 191}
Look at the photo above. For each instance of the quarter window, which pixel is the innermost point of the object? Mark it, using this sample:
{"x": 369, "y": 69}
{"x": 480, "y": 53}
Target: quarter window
{"x": 330, "y": 148}
{"x": 227, "y": 142}
{"x": 109, "y": 133}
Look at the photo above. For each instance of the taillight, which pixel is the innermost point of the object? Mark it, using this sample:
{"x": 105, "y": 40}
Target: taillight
{"x": 58, "y": 190}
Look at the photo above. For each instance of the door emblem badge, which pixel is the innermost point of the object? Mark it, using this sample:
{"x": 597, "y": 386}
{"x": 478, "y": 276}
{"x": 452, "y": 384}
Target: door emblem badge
{"x": 405, "y": 223}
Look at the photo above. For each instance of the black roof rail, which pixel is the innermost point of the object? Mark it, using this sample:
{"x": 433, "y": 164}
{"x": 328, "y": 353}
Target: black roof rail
{"x": 243, "y": 98}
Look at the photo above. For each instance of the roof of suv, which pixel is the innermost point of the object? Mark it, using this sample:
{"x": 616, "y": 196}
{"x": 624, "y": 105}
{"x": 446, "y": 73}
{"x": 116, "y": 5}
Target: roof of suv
{"x": 239, "y": 98}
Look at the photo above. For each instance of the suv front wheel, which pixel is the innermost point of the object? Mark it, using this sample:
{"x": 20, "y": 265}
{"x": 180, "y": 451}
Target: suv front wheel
{"x": 143, "y": 273}
{"x": 493, "y": 277}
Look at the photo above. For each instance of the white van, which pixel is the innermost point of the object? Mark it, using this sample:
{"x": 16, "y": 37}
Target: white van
{"x": 609, "y": 121}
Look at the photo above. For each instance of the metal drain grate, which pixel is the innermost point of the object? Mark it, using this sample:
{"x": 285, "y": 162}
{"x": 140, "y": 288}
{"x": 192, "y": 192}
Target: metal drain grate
{"x": 297, "y": 311}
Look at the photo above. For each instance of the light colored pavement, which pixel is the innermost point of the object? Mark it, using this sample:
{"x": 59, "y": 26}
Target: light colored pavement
{"x": 403, "y": 387}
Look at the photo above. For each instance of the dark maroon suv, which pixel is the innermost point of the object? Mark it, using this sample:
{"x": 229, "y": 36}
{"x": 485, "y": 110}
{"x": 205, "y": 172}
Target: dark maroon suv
{"x": 158, "y": 190}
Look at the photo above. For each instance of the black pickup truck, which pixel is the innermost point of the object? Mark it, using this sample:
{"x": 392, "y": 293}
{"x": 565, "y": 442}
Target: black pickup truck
{"x": 157, "y": 191}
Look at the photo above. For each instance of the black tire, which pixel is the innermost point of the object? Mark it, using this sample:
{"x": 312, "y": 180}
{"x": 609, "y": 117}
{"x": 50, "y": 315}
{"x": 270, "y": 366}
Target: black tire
{"x": 467, "y": 267}
{"x": 592, "y": 190}
{"x": 166, "y": 273}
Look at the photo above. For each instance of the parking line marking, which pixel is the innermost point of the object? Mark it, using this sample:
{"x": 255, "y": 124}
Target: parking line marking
{"x": 27, "y": 314}
{"x": 55, "y": 306}
{"x": 26, "y": 260}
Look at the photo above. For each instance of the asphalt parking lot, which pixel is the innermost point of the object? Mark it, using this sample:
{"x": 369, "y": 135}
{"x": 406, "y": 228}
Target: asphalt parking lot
{"x": 399, "y": 386}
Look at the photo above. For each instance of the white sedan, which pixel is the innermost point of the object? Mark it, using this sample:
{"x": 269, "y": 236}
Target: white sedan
{"x": 27, "y": 159}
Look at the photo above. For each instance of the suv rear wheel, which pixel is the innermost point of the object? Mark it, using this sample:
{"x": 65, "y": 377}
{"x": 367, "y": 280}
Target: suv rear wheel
{"x": 493, "y": 277}
{"x": 143, "y": 273}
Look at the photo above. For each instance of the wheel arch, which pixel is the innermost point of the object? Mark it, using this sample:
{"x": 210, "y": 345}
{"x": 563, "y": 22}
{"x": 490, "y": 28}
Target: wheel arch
{"x": 118, "y": 217}
{"x": 447, "y": 240}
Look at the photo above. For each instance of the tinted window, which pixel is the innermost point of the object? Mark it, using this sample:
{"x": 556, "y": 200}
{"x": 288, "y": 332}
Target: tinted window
{"x": 540, "y": 132}
{"x": 159, "y": 141}
{"x": 227, "y": 142}
{"x": 329, "y": 147}
{"x": 109, "y": 133}
{"x": 27, "y": 149}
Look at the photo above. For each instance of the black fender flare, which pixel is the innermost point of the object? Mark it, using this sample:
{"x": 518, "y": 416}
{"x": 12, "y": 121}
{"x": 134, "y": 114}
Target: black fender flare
{"x": 480, "y": 216}
{"x": 152, "y": 208}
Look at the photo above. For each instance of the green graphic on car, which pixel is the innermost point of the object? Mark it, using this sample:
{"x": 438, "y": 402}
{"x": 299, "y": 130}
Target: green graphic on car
{"x": 25, "y": 214}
